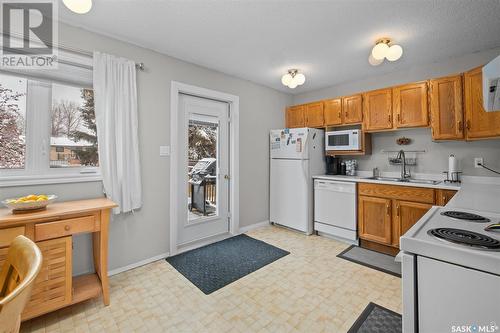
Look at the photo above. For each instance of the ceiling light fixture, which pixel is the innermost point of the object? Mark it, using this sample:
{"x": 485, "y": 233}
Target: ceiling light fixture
{"x": 384, "y": 50}
{"x": 293, "y": 78}
{"x": 78, "y": 6}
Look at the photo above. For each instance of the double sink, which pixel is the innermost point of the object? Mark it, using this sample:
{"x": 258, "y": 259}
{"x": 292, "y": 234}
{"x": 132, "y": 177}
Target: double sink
{"x": 406, "y": 180}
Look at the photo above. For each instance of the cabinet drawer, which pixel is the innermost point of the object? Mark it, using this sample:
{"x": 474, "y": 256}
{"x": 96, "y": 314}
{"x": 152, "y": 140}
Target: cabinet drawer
{"x": 64, "y": 227}
{"x": 406, "y": 193}
{"x": 8, "y": 235}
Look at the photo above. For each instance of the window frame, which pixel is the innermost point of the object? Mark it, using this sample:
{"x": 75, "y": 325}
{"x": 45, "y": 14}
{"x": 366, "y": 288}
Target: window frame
{"x": 37, "y": 168}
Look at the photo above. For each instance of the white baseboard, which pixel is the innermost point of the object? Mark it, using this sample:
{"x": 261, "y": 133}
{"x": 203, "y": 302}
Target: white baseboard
{"x": 138, "y": 264}
{"x": 254, "y": 226}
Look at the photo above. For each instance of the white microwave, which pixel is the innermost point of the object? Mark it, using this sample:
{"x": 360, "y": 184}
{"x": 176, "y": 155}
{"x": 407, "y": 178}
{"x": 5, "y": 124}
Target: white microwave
{"x": 343, "y": 140}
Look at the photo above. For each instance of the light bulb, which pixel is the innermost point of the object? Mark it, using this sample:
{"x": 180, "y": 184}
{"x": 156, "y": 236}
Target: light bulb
{"x": 394, "y": 53}
{"x": 373, "y": 61}
{"x": 293, "y": 84}
{"x": 379, "y": 51}
{"x": 78, "y": 6}
{"x": 286, "y": 79}
{"x": 300, "y": 79}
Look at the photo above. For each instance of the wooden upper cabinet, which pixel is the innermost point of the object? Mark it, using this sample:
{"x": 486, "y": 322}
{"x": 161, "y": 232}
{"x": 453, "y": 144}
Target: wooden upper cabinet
{"x": 409, "y": 104}
{"x": 333, "y": 111}
{"x": 405, "y": 215}
{"x": 446, "y": 108}
{"x": 352, "y": 108}
{"x": 314, "y": 115}
{"x": 377, "y": 108}
{"x": 374, "y": 219}
{"x": 295, "y": 116}
{"x": 480, "y": 124}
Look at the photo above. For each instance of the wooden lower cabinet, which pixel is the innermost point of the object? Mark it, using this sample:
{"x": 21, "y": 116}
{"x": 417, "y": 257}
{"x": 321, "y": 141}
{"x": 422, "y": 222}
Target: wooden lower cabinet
{"x": 386, "y": 212}
{"x": 53, "y": 285}
{"x": 374, "y": 219}
{"x": 443, "y": 196}
{"x": 406, "y": 214}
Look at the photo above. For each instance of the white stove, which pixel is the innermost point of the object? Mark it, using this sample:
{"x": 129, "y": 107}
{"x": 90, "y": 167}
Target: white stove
{"x": 427, "y": 238}
{"x": 451, "y": 272}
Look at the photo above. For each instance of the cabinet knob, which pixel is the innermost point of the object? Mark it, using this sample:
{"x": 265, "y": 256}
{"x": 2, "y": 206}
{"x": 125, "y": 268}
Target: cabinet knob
{"x": 67, "y": 227}
{"x": 388, "y": 209}
{"x": 468, "y": 125}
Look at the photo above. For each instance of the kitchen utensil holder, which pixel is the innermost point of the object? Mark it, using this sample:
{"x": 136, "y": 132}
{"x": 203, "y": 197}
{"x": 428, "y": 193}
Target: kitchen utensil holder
{"x": 455, "y": 177}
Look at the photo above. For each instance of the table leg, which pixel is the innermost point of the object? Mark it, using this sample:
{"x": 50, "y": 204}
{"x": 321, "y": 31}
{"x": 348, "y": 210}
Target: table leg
{"x": 100, "y": 247}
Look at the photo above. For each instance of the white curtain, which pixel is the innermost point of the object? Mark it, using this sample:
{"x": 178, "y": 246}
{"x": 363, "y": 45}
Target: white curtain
{"x": 115, "y": 98}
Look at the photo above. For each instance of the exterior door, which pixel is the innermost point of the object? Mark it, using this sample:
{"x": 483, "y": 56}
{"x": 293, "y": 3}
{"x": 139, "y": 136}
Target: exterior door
{"x": 374, "y": 219}
{"x": 204, "y": 169}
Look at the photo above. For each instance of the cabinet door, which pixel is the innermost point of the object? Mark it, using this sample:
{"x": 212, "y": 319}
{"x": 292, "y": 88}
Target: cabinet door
{"x": 352, "y": 106}
{"x": 374, "y": 219}
{"x": 410, "y": 105}
{"x": 52, "y": 289}
{"x": 333, "y": 111}
{"x": 443, "y": 196}
{"x": 295, "y": 116}
{"x": 480, "y": 124}
{"x": 406, "y": 214}
{"x": 446, "y": 108}
{"x": 377, "y": 108}
{"x": 314, "y": 115}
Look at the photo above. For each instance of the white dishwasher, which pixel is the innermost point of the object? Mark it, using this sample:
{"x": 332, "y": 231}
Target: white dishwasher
{"x": 335, "y": 209}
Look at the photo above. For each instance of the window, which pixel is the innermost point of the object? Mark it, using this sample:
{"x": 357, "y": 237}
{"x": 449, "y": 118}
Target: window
{"x": 12, "y": 122}
{"x": 72, "y": 128}
{"x": 47, "y": 129}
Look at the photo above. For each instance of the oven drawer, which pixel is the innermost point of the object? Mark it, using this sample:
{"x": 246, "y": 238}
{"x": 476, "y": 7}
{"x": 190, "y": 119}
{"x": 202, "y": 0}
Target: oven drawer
{"x": 8, "y": 235}
{"x": 66, "y": 227}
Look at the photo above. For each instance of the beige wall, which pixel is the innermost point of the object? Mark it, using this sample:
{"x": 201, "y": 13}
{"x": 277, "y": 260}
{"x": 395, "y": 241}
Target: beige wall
{"x": 144, "y": 234}
{"x": 435, "y": 159}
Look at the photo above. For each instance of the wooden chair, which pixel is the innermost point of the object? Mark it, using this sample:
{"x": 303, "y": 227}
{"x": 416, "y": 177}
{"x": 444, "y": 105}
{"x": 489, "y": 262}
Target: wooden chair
{"x": 17, "y": 278}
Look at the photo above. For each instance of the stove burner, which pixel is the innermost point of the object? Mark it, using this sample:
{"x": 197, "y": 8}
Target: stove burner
{"x": 465, "y": 237}
{"x": 465, "y": 216}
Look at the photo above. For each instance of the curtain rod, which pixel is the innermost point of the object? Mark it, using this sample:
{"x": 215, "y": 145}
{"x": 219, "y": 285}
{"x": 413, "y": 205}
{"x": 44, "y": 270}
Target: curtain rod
{"x": 138, "y": 65}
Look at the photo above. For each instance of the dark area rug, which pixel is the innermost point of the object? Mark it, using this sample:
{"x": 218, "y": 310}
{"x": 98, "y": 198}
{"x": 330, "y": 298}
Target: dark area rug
{"x": 214, "y": 266}
{"x": 377, "y": 319}
{"x": 376, "y": 260}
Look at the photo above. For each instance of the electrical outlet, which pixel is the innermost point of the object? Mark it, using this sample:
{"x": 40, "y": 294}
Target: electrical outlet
{"x": 478, "y": 161}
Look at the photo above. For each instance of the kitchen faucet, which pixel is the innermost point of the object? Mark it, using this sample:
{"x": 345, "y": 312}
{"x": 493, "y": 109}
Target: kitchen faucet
{"x": 402, "y": 157}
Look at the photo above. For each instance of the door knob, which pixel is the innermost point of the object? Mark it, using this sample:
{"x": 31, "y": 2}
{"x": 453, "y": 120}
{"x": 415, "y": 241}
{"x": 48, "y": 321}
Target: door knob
{"x": 227, "y": 177}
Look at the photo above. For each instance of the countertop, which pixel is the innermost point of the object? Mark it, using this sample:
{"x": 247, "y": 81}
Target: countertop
{"x": 477, "y": 196}
{"x": 480, "y": 194}
{"x": 363, "y": 179}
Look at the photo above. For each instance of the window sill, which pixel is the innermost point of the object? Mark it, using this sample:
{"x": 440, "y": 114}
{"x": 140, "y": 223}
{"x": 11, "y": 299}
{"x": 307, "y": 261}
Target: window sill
{"x": 8, "y": 181}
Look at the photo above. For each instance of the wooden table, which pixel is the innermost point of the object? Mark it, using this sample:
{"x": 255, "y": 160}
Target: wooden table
{"x": 52, "y": 230}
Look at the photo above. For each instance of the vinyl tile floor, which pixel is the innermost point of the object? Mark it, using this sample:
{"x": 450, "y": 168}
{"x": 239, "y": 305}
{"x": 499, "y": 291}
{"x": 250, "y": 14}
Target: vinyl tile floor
{"x": 310, "y": 290}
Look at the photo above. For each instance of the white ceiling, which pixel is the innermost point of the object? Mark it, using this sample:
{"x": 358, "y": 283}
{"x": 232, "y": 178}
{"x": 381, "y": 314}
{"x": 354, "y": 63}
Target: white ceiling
{"x": 329, "y": 41}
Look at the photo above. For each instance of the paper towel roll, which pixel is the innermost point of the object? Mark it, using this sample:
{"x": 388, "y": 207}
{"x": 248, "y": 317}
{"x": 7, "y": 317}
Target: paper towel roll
{"x": 452, "y": 164}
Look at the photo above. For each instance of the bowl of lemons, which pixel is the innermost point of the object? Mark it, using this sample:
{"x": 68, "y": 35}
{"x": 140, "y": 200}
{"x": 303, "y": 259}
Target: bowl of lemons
{"x": 29, "y": 202}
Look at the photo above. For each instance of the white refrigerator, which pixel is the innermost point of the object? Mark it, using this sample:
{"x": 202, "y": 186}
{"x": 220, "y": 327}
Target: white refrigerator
{"x": 297, "y": 154}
